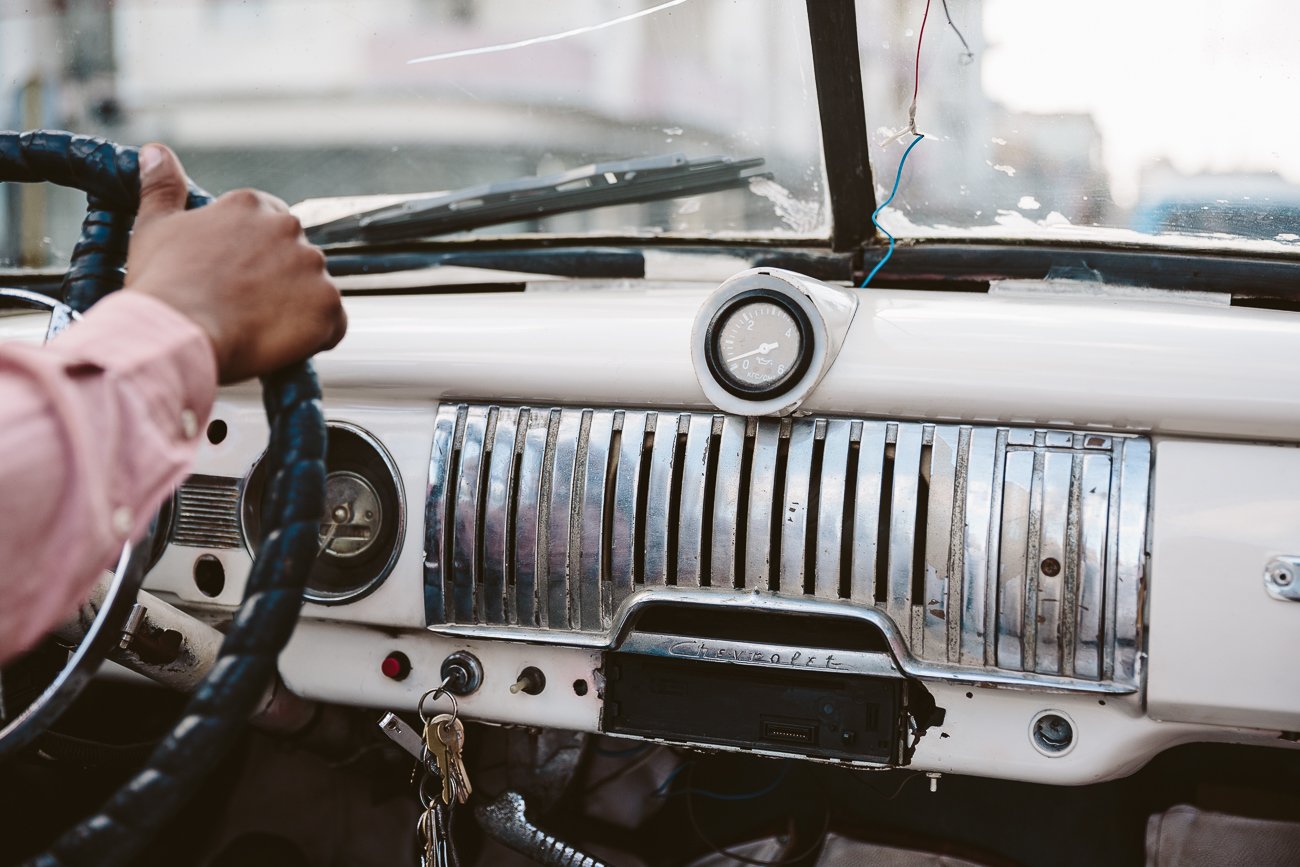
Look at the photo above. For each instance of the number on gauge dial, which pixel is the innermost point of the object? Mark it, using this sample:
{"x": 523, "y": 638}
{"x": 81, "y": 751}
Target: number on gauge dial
{"x": 758, "y": 344}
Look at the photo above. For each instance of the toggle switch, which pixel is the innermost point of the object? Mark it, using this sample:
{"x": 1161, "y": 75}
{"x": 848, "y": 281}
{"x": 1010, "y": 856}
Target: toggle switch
{"x": 531, "y": 681}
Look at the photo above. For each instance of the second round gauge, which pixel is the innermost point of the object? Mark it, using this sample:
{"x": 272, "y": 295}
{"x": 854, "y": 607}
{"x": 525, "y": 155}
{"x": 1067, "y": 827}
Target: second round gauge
{"x": 758, "y": 344}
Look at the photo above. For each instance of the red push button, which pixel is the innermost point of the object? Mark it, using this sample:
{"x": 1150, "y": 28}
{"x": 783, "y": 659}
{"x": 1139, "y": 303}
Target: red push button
{"x": 396, "y": 665}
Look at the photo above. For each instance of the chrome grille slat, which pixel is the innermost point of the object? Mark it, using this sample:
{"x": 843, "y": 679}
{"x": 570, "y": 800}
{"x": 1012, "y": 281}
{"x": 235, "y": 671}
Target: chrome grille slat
{"x": 663, "y": 453}
{"x": 902, "y": 529}
{"x": 726, "y": 496}
{"x": 758, "y": 529}
{"x": 624, "y": 532}
{"x": 694, "y": 479}
{"x": 592, "y": 567}
{"x": 794, "y": 516}
{"x": 1018, "y": 482}
{"x": 866, "y": 544}
{"x": 551, "y": 518}
{"x": 207, "y": 513}
{"x": 529, "y": 511}
{"x": 831, "y": 509}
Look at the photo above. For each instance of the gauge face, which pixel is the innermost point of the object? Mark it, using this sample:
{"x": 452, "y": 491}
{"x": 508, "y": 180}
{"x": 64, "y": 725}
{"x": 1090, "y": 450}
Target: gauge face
{"x": 757, "y": 345}
{"x": 363, "y": 525}
{"x": 353, "y": 515}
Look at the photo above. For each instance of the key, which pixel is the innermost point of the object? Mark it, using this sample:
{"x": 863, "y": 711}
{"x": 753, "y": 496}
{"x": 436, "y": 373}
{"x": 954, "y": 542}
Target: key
{"x": 451, "y": 732}
{"x": 438, "y": 751}
{"x": 428, "y": 827}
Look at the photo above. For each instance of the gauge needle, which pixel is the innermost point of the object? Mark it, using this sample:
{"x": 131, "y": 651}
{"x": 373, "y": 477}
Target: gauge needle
{"x": 762, "y": 349}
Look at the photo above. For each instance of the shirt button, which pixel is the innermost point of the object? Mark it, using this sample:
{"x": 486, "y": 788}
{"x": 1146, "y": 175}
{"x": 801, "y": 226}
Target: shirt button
{"x": 189, "y": 424}
{"x": 123, "y": 520}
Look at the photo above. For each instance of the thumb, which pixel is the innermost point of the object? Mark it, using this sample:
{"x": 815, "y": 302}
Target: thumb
{"x": 162, "y": 184}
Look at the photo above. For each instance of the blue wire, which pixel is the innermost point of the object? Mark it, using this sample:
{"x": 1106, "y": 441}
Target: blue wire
{"x": 662, "y": 791}
{"x": 898, "y": 177}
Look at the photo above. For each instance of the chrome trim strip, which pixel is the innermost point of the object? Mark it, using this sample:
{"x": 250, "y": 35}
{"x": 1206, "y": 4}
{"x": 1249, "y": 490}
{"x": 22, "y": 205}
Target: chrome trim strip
{"x": 1010, "y": 555}
{"x": 771, "y": 601}
{"x": 761, "y": 654}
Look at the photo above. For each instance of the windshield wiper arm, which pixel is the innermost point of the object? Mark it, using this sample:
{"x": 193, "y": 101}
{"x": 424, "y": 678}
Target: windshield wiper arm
{"x": 595, "y": 186}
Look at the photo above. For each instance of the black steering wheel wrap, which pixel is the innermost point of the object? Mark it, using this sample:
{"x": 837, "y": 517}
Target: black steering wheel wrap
{"x": 294, "y": 503}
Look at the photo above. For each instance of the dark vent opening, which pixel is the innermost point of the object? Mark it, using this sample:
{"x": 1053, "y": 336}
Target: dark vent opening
{"x": 642, "y": 500}
{"x": 710, "y": 490}
{"x": 449, "y": 519}
{"x": 742, "y": 503}
{"x": 778, "y": 507}
{"x": 922, "y": 525}
{"x": 480, "y": 514}
{"x": 742, "y": 624}
{"x": 607, "y": 511}
{"x": 512, "y": 522}
{"x": 811, "y": 543}
{"x": 675, "y": 505}
{"x": 882, "y": 523}
{"x": 850, "y": 517}
{"x": 542, "y": 575}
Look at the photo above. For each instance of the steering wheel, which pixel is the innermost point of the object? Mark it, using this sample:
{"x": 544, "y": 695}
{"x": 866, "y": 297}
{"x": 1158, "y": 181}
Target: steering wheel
{"x": 294, "y": 501}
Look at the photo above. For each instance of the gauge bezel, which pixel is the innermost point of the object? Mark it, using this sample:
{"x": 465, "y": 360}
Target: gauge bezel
{"x": 360, "y": 591}
{"x": 713, "y": 344}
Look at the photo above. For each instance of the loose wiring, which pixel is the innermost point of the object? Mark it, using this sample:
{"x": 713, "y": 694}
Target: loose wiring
{"x": 666, "y": 785}
{"x": 875, "y": 214}
{"x": 967, "y": 55}
{"x": 911, "y": 127}
{"x": 916, "y": 76}
{"x": 808, "y": 851}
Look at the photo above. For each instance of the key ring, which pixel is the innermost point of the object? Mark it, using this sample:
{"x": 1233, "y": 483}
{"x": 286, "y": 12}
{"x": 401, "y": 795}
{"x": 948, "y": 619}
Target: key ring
{"x": 436, "y": 693}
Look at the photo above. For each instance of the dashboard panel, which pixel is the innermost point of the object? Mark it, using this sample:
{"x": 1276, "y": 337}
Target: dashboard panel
{"x": 1017, "y": 592}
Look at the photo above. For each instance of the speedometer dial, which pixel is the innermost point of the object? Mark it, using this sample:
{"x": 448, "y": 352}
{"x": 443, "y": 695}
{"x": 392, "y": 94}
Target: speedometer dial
{"x": 758, "y": 344}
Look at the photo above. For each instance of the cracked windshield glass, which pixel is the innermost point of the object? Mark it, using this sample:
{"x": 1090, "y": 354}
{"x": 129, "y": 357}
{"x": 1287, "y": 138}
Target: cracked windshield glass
{"x": 347, "y": 98}
{"x": 1160, "y": 122}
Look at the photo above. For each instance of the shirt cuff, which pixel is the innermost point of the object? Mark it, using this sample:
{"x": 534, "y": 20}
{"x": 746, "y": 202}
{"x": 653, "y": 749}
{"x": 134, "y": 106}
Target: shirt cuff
{"x": 140, "y": 338}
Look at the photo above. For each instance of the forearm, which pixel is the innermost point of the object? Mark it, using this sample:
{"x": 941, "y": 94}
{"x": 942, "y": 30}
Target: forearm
{"x": 96, "y": 428}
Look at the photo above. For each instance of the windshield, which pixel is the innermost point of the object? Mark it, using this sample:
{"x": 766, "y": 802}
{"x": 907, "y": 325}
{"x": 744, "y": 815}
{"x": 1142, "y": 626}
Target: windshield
{"x": 1166, "y": 121}
{"x": 332, "y": 98}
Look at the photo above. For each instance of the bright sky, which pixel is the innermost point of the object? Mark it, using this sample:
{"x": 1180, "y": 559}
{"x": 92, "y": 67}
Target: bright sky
{"x": 1209, "y": 85}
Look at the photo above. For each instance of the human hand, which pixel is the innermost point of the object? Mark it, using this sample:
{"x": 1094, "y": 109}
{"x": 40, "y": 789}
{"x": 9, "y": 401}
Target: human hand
{"x": 241, "y": 268}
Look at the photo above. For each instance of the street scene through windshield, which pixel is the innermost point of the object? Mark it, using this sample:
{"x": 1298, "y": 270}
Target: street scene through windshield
{"x": 1171, "y": 139}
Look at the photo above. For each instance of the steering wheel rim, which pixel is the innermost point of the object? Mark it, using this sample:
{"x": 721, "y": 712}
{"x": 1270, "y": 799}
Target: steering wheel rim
{"x": 246, "y": 662}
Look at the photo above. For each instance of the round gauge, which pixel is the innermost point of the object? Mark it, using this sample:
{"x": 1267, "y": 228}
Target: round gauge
{"x": 758, "y": 344}
{"x": 363, "y": 524}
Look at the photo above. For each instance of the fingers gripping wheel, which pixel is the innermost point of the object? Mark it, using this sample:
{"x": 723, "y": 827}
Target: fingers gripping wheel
{"x": 109, "y": 174}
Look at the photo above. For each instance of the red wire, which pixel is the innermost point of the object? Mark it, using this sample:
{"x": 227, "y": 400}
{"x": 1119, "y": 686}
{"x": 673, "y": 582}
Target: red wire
{"x": 916, "y": 83}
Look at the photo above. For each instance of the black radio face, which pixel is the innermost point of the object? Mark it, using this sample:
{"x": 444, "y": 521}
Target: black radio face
{"x": 803, "y": 712}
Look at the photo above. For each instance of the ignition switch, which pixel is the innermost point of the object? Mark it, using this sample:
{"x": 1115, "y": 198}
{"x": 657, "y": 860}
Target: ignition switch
{"x": 463, "y": 673}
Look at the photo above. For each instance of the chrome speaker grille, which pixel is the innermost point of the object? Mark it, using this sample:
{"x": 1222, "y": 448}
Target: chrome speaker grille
{"x": 987, "y": 547}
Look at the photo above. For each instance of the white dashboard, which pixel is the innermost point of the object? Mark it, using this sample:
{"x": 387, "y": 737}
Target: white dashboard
{"x": 1211, "y": 388}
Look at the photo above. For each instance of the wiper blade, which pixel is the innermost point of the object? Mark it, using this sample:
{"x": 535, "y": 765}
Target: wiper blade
{"x": 595, "y": 186}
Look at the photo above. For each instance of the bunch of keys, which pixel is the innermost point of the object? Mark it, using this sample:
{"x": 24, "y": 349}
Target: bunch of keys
{"x": 439, "y": 752}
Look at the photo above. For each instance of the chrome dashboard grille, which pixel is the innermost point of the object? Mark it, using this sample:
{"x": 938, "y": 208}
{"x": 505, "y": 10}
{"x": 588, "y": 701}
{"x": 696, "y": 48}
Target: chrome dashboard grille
{"x": 1000, "y": 548}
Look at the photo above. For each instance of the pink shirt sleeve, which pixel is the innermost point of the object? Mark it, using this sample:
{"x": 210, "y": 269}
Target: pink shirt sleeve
{"x": 96, "y": 428}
